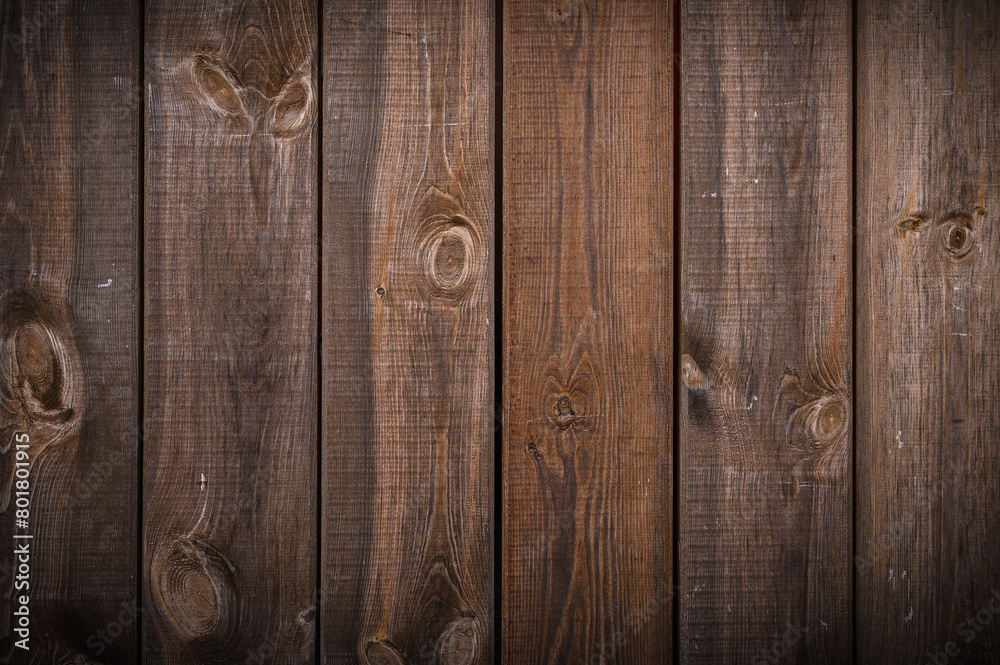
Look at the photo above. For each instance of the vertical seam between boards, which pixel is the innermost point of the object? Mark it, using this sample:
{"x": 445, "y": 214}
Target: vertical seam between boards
{"x": 498, "y": 366}
{"x": 140, "y": 123}
{"x": 675, "y": 425}
{"x": 318, "y": 563}
{"x": 854, "y": 328}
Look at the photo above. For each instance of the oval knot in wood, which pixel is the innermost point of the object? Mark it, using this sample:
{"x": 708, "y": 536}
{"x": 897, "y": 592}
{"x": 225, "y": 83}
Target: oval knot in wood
{"x": 822, "y": 420}
{"x": 449, "y": 255}
{"x": 692, "y": 375}
{"x": 35, "y": 378}
{"x": 565, "y": 415}
{"x": 459, "y": 643}
{"x": 196, "y": 588}
{"x": 959, "y": 241}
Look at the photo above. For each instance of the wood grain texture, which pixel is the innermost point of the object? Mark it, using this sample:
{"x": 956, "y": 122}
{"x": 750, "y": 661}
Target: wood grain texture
{"x": 407, "y": 544}
{"x": 69, "y": 86}
{"x": 928, "y": 188}
{"x": 231, "y": 323}
{"x": 588, "y": 161}
{"x": 766, "y": 270}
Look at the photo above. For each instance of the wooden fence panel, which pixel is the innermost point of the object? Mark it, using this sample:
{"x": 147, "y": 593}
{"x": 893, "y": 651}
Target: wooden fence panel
{"x": 928, "y": 195}
{"x": 588, "y": 209}
{"x": 231, "y": 324}
{"x": 407, "y": 540}
{"x": 69, "y": 197}
{"x": 766, "y": 307}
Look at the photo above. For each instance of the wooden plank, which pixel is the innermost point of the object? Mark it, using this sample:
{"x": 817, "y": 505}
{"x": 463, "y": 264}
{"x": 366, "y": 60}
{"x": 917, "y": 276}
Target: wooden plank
{"x": 231, "y": 323}
{"x": 588, "y": 209}
{"x": 69, "y": 99}
{"x": 407, "y": 544}
{"x": 928, "y": 188}
{"x": 766, "y": 269}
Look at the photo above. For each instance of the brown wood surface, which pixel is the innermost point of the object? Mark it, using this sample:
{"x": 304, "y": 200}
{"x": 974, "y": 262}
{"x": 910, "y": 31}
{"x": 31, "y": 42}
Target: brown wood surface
{"x": 69, "y": 186}
{"x": 765, "y": 365}
{"x": 588, "y": 208}
{"x": 928, "y": 319}
{"x": 231, "y": 322}
{"x": 407, "y": 535}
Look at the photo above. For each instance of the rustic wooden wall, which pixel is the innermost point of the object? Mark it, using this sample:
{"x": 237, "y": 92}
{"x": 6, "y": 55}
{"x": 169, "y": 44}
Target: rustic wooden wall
{"x": 249, "y": 257}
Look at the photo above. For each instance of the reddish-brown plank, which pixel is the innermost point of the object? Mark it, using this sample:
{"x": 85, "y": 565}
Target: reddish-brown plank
{"x": 408, "y": 332}
{"x": 588, "y": 210}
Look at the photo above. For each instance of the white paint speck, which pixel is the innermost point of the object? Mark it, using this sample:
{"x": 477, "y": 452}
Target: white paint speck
{"x": 104, "y": 286}
{"x": 202, "y": 482}
{"x": 714, "y": 194}
{"x": 755, "y": 114}
{"x": 309, "y": 296}
{"x": 899, "y": 438}
{"x": 823, "y": 623}
{"x": 908, "y": 616}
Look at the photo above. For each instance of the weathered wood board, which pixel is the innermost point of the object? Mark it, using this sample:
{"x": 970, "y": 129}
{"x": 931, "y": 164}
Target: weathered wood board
{"x": 928, "y": 320}
{"x": 766, "y": 310}
{"x": 231, "y": 357}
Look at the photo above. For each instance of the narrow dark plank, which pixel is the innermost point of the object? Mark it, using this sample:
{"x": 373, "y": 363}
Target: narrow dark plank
{"x": 408, "y": 339}
{"x": 765, "y": 416}
{"x": 231, "y": 323}
{"x": 69, "y": 100}
{"x": 928, "y": 188}
{"x": 588, "y": 208}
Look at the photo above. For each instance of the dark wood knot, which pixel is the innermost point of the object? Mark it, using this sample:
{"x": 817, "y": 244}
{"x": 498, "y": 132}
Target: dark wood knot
{"x": 459, "y": 642}
{"x": 195, "y": 585}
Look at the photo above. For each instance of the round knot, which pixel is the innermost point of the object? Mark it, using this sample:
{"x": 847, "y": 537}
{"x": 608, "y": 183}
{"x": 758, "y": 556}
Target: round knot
{"x": 449, "y": 255}
{"x": 459, "y": 643}
{"x": 195, "y": 586}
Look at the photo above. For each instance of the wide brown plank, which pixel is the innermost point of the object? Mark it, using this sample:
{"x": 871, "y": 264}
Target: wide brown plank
{"x": 588, "y": 402}
{"x": 407, "y": 525}
{"x": 230, "y": 325}
{"x": 928, "y": 321}
{"x": 765, "y": 367}
{"x": 69, "y": 97}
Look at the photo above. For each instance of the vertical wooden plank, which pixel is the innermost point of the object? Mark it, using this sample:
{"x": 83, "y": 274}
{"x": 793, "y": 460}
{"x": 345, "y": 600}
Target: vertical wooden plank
{"x": 766, "y": 277}
{"x": 408, "y": 338}
{"x": 588, "y": 204}
{"x": 928, "y": 189}
{"x": 231, "y": 323}
{"x": 69, "y": 101}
